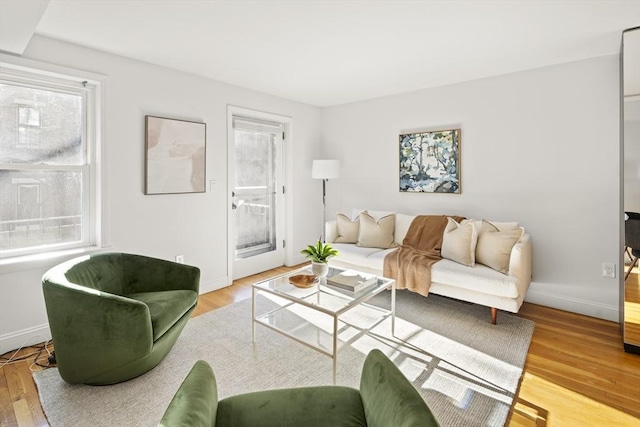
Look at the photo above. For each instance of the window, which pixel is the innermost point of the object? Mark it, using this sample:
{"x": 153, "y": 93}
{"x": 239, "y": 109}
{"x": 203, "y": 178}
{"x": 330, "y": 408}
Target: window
{"x": 47, "y": 162}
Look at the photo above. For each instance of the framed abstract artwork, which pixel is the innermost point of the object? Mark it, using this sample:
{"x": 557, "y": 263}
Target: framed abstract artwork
{"x": 430, "y": 162}
{"x": 175, "y": 156}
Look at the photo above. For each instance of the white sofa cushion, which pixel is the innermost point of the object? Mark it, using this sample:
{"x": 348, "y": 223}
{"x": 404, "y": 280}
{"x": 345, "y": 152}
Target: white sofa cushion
{"x": 403, "y": 222}
{"x": 352, "y": 254}
{"x": 375, "y": 261}
{"x": 477, "y": 278}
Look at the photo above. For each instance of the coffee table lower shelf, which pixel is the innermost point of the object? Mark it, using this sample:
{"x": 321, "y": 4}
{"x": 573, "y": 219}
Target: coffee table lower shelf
{"x": 316, "y": 327}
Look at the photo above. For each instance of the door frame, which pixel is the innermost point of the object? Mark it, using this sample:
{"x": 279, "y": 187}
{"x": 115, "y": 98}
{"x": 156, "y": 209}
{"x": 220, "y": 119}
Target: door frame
{"x": 287, "y": 230}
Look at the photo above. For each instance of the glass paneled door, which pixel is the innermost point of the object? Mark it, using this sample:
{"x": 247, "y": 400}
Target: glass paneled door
{"x": 257, "y": 195}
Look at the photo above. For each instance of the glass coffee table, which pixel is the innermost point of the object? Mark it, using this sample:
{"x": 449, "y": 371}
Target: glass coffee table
{"x": 321, "y": 316}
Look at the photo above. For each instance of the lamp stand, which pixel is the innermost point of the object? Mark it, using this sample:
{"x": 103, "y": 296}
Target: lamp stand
{"x": 324, "y": 210}
{"x": 325, "y": 170}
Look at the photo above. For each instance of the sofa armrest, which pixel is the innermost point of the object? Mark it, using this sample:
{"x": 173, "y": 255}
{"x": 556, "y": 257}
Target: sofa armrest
{"x": 331, "y": 231}
{"x": 520, "y": 261}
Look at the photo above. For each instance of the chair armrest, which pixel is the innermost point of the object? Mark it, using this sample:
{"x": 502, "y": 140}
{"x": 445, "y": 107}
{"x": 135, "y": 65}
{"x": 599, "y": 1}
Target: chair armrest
{"x": 145, "y": 274}
{"x": 94, "y": 331}
{"x": 331, "y": 231}
{"x": 520, "y": 261}
{"x": 195, "y": 404}
{"x": 389, "y": 399}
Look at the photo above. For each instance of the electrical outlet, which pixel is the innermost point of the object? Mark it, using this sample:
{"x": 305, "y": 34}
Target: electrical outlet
{"x": 180, "y": 259}
{"x": 609, "y": 270}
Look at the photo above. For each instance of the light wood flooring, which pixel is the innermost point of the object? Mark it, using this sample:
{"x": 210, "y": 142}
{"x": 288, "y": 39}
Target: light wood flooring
{"x": 576, "y": 372}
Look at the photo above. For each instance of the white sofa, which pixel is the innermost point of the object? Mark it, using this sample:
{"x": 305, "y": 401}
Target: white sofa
{"x": 478, "y": 284}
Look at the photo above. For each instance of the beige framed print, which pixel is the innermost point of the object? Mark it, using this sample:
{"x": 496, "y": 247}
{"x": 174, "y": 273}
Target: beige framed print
{"x": 175, "y": 156}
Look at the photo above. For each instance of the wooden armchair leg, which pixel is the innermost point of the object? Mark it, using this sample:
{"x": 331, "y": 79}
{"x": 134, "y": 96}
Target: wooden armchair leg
{"x": 494, "y": 315}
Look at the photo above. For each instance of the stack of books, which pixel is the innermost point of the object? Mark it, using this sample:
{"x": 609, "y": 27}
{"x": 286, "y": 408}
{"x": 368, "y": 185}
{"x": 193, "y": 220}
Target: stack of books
{"x": 352, "y": 281}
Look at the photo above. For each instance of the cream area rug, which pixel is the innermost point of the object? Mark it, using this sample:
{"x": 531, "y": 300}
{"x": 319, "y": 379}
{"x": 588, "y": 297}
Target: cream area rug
{"x": 467, "y": 369}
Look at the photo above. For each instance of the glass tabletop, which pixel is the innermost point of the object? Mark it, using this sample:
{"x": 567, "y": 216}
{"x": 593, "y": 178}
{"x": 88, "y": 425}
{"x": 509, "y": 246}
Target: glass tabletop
{"x": 321, "y": 296}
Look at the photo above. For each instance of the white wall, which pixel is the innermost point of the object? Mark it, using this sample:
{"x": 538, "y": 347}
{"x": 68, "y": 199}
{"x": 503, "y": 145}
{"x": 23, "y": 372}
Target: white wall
{"x": 540, "y": 147}
{"x": 163, "y": 226}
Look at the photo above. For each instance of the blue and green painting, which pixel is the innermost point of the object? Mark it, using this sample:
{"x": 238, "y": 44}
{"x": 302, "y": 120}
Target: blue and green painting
{"x": 430, "y": 161}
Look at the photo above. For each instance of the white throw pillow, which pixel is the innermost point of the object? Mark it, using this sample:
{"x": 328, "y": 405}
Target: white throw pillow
{"x": 347, "y": 229}
{"x": 459, "y": 242}
{"x": 376, "y": 234}
{"x": 494, "y": 246}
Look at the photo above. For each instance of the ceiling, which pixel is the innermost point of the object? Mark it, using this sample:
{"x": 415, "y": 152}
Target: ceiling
{"x": 333, "y": 52}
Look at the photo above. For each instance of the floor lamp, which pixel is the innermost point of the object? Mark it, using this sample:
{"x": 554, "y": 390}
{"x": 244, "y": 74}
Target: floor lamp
{"x": 325, "y": 170}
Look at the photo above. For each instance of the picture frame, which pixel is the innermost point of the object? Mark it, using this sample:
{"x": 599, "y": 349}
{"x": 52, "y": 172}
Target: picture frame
{"x": 175, "y": 156}
{"x": 429, "y": 161}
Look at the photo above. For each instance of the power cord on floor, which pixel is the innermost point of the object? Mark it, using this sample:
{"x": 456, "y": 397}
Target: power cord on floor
{"x": 39, "y": 349}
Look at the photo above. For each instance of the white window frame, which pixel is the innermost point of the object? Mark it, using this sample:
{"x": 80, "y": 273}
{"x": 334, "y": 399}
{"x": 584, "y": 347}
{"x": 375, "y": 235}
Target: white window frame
{"x": 90, "y": 86}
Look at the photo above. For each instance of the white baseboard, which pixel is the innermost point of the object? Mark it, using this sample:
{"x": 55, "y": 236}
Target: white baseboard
{"x": 574, "y": 305}
{"x": 24, "y": 337}
{"x": 214, "y": 284}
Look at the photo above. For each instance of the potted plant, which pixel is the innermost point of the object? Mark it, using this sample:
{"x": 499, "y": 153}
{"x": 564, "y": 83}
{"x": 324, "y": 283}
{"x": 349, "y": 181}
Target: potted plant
{"x": 319, "y": 255}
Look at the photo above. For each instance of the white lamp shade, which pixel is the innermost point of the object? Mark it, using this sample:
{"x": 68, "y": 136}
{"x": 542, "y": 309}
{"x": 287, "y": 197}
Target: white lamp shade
{"x": 325, "y": 169}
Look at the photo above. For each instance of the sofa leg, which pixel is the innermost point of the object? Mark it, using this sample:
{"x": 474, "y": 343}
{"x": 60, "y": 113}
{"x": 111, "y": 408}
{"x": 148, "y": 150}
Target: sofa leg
{"x": 494, "y": 315}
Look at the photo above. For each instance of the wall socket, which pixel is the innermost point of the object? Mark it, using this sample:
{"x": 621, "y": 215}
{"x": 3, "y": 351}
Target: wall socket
{"x": 180, "y": 259}
{"x": 609, "y": 270}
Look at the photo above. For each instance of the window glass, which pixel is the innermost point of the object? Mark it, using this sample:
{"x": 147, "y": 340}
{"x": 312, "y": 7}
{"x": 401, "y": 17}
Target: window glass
{"x": 40, "y": 126}
{"x": 40, "y": 208}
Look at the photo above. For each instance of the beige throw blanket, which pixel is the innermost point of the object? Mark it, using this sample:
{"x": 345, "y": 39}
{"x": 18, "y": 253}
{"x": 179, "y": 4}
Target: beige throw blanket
{"x": 411, "y": 264}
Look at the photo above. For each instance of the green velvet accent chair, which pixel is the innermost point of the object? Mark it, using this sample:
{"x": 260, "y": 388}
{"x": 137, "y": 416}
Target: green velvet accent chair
{"x": 385, "y": 399}
{"x": 115, "y": 316}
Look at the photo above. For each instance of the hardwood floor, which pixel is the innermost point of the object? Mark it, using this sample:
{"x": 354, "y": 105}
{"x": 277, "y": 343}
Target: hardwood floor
{"x": 576, "y": 371}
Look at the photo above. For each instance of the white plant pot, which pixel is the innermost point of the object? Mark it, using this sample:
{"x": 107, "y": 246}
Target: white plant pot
{"x": 319, "y": 269}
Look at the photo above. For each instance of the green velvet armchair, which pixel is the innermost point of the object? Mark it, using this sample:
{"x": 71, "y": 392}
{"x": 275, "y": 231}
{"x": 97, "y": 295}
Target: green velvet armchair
{"x": 385, "y": 399}
{"x": 115, "y": 316}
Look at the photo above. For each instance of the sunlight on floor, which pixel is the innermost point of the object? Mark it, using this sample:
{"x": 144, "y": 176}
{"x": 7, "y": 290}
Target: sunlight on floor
{"x": 546, "y": 409}
{"x": 540, "y": 402}
{"x": 632, "y": 312}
